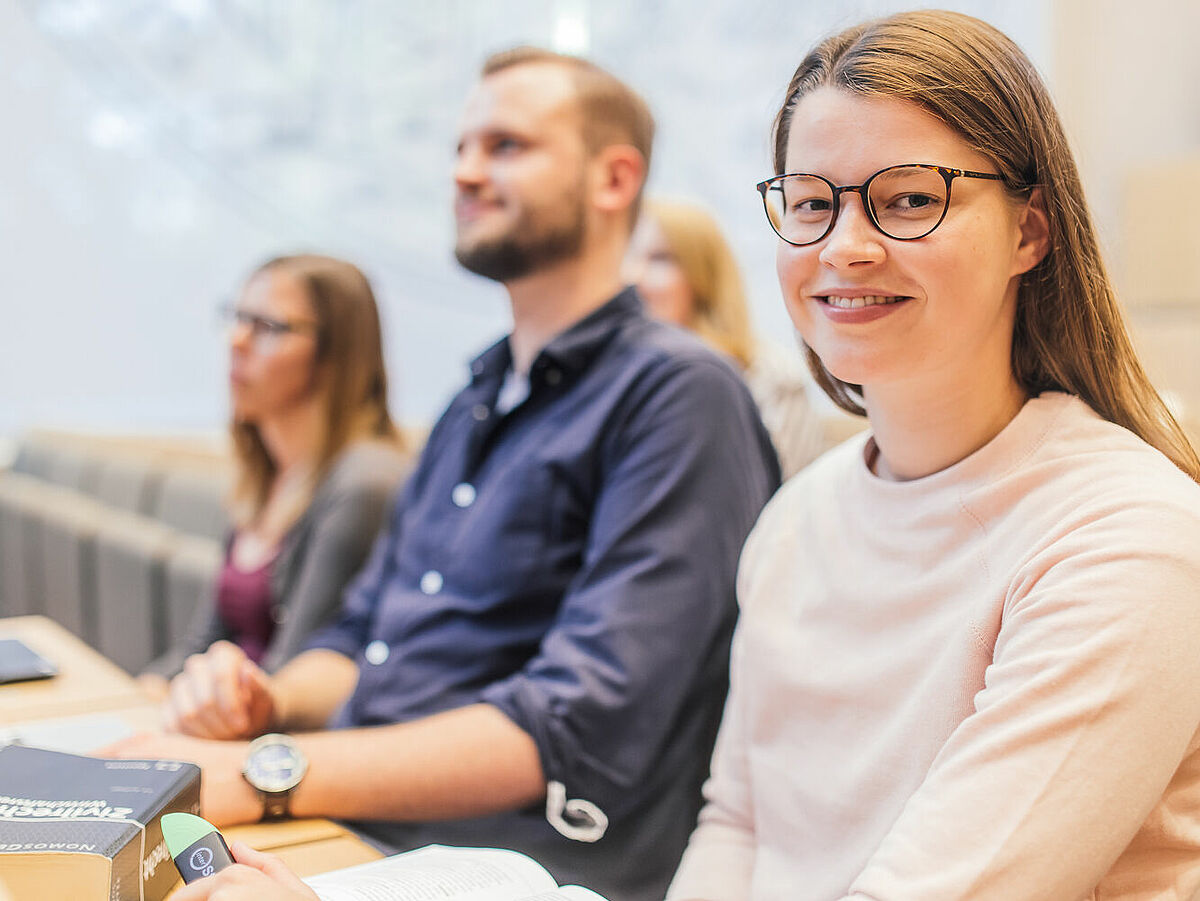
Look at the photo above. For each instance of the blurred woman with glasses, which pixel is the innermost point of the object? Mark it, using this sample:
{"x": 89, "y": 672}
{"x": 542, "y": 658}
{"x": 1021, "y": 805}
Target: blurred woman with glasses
{"x": 687, "y": 275}
{"x": 316, "y": 461}
{"x": 967, "y": 662}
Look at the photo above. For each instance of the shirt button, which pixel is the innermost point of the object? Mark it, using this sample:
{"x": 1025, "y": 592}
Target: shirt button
{"x": 431, "y": 582}
{"x": 477, "y": 368}
{"x": 463, "y": 494}
{"x": 377, "y": 652}
{"x": 553, "y": 376}
{"x": 480, "y": 412}
{"x": 278, "y": 614}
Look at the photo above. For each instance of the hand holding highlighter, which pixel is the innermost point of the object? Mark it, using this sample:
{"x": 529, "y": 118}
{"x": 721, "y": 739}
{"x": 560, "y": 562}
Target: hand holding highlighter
{"x": 195, "y": 845}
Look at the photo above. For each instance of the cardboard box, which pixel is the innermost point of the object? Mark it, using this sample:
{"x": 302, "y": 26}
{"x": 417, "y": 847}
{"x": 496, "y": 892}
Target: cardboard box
{"x": 88, "y": 829}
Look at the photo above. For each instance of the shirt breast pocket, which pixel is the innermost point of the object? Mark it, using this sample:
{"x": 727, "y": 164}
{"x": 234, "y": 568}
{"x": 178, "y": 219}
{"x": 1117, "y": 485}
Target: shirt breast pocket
{"x": 526, "y": 525}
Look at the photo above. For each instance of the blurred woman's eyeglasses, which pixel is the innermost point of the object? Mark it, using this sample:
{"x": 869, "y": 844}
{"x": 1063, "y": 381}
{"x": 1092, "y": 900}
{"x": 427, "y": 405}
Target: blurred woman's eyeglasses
{"x": 263, "y": 328}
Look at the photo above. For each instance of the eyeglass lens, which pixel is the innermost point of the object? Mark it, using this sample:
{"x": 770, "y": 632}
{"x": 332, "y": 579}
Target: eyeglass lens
{"x": 260, "y": 326}
{"x": 907, "y": 202}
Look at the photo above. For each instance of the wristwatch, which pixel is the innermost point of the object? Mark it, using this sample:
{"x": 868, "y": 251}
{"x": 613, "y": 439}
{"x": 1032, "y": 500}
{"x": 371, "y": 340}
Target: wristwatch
{"x": 274, "y": 767}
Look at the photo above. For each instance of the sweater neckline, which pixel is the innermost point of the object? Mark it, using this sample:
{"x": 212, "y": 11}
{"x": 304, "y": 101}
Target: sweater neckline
{"x": 1013, "y": 443}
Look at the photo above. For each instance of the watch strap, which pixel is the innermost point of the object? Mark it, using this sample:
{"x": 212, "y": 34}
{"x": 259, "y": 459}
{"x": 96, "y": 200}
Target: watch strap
{"x": 275, "y": 804}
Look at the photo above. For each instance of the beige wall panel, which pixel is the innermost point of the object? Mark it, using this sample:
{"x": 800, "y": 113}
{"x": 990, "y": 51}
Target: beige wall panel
{"x": 1168, "y": 341}
{"x": 1161, "y": 228}
{"x": 1125, "y": 77}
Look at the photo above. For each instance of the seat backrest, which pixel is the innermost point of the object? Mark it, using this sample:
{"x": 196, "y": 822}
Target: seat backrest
{"x": 191, "y": 500}
{"x": 73, "y": 467}
{"x": 130, "y": 580}
{"x": 66, "y": 555}
{"x": 27, "y": 503}
{"x": 20, "y": 574}
{"x": 129, "y": 482}
{"x": 33, "y": 457}
{"x": 193, "y": 566}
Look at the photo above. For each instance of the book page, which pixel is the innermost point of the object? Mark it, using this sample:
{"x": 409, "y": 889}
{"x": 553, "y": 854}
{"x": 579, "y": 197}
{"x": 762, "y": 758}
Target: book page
{"x": 438, "y": 873}
{"x": 567, "y": 893}
{"x": 72, "y": 734}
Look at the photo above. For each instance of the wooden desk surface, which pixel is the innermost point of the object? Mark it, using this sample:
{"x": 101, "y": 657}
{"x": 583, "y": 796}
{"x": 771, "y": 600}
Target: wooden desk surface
{"x": 87, "y": 681}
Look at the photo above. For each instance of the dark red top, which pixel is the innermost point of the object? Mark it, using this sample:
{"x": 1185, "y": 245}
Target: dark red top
{"x": 245, "y": 606}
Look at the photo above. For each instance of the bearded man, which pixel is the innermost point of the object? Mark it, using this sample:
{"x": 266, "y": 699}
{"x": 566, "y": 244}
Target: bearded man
{"x": 535, "y": 656}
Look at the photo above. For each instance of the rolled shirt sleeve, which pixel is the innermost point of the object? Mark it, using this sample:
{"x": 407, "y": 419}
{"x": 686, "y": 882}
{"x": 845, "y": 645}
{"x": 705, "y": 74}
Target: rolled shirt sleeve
{"x": 653, "y": 601}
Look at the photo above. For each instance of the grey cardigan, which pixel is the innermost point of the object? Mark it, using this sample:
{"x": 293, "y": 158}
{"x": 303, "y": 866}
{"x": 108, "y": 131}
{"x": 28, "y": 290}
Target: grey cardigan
{"x": 318, "y": 556}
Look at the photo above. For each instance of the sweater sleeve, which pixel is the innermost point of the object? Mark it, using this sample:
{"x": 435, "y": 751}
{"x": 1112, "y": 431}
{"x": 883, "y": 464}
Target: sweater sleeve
{"x": 1090, "y": 704}
{"x": 204, "y": 628}
{"x": 344, "y": 527}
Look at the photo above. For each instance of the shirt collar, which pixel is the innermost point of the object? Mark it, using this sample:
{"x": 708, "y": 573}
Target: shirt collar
{"x": 573, "y": 349}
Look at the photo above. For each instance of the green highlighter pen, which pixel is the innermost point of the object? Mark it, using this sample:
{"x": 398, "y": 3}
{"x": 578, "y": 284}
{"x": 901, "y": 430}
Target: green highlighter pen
{"x": 195, "y": 846}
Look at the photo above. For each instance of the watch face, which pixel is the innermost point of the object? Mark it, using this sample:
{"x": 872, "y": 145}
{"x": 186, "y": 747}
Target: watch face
{"x": 275, "y": 767}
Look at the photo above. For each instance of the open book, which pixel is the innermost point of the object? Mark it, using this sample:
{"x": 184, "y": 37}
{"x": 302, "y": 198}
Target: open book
{"x": 438, "y": 873}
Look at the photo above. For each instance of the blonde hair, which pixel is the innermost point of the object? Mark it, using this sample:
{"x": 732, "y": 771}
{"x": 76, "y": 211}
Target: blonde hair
{"x": 353, "y": 385}
{"x": 720, "y": 315}
{"x": 1069, "y": 334}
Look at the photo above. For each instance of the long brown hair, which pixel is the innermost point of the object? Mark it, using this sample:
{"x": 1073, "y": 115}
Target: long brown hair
{"x": 1069, "y": 333}
{"x": 720, "y": 316}
{"x": 352, "y": 382}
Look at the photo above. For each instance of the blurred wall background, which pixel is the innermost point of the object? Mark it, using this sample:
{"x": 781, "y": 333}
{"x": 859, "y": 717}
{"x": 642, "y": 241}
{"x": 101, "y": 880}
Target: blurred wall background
{"x": 156, "y": 150}
{"x": 1127, "y": 78}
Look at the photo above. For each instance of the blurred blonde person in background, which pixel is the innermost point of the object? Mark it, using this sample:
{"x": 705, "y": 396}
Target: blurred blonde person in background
{"x": 688, "y": 276}
{"x": 316, "y": 460}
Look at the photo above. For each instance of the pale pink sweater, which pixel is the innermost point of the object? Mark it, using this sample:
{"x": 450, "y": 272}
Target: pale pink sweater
{"x": 982, "y": 684}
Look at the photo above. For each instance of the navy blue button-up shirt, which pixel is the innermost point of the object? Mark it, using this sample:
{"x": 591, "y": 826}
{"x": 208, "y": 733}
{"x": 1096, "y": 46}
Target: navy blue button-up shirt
{"x": 572, "y": 561}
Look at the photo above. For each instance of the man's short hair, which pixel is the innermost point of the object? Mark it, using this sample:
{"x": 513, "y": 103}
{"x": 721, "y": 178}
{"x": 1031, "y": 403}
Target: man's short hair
{"x": 612, "y": 112}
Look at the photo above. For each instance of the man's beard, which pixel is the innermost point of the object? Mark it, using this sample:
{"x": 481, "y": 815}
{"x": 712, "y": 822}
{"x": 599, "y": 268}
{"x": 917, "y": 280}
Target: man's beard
{"x": 529, "y": 245}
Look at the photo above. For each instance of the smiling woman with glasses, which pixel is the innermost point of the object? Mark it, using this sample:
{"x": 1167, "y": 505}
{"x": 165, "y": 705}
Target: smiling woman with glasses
{"x": 966, "y": 665}
{"x": 316, "y": 459}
